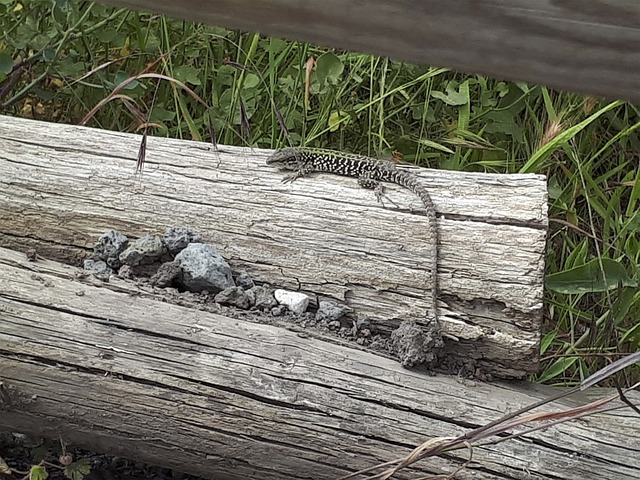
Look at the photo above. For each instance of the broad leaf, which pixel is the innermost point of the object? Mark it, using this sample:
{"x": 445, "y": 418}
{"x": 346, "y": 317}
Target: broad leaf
{"x": 598, "y": 275}
{"x": 38, "y": 472}
{"x": 329, "y": 68}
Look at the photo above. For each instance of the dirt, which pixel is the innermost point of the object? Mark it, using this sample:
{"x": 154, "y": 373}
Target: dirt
{"x": 20, "y": 454}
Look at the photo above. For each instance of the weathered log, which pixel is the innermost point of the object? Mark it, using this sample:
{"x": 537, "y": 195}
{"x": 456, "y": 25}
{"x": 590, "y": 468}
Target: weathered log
{"x": 588, "y": 46}
{"x": 62, "y": 186}
{"x": 223, "y": 398}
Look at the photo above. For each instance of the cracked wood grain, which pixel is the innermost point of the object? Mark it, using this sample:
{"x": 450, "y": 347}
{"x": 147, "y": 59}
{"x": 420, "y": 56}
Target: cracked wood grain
{"x": 225, "y": 398}
{"x": 62, "y": 186}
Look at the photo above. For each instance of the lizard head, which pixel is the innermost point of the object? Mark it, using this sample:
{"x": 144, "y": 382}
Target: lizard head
{"x": 285, "y": 159}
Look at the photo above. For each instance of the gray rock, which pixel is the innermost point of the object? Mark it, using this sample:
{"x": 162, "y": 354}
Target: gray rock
{"x": 98, "y": 268}
{"x": 203, "y": 268}
{"x": 244, "y": 280}
{"x": 145, "y": 250}
{"x": 177, "y": 238}
{"x": 330, "y": 311}
{"x": 109, "y": 247}
{"x": 362, "y": 326}
{"x": 126, "y": 272}
{"x": 235, "y": 296}
{"x": 261, "y": 298}
{"x": 166, "y": 274}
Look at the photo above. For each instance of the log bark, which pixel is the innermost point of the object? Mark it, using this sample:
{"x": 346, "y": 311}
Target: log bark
{"x": 588, "y": 46}
{"x": 62, "y": 186}
{"x": 223, "y": 398}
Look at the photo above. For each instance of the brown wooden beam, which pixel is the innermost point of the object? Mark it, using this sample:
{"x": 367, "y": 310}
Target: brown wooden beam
{"x": 589, "y": 46}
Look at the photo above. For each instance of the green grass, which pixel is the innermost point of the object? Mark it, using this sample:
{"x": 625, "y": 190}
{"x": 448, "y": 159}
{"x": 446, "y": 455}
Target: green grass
{"x": 58, "y": 61}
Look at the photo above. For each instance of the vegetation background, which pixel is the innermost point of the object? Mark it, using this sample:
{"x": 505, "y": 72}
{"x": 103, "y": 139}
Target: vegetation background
{"x": 80, "y": 62}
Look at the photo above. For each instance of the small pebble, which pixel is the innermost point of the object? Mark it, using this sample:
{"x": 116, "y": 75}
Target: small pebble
{"x": 234, "y": 296}
{"x": 177, "y": 238}
{"x": 296, "y": 302}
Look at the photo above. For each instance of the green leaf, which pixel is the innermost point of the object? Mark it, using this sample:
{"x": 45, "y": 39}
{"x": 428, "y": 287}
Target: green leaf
{"x": 547, "y": 340}
{"x": 44, "y": 94}
{"x": 187, "y": 74}
{"x": 49, "y": 55}
{"x": 469, "y": 140}
{"x": 453, "y": 97}
{"x": 417, "y": 111}
{"x": 329, "y": 68}
{"x": 436, "y": 146}
{"x": 276, "y": 45}
{"x": 556, "y": 368}
{"x": 589, "y": 277}
{"x": 120, "y": 77}
{"x": 217, "y": 31}
{"x": 631, "y": 335}
{"x": 38, "y": 472}
{"x": 159, "y": 115}
{"x": 337, "y": 118}
{"x": 78, "y": 470}
{"x": 251, "y": 80}
{"x": 6, "y": 63}
{"x": 633, "y": 223}
{"x": 548, "y": 104}
{"x": 152, "y": 44}
{"x": 67, "y": 66}
{"x": 578, "y": 256}
{"x": 60, "y": 11}
{"x": 622, "y": 305}
{"x": 554, "y": 188}
{"x": 107, "y": 35}
{"x": 502, "y": 88}
{"x": 632, "y": 245}
{"x": 465, "y": 112}
{"x": 224, "y": 102}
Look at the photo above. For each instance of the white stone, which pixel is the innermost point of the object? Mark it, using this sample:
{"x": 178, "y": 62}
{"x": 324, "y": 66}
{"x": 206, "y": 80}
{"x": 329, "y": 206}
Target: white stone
{"x": 294, "y": 301}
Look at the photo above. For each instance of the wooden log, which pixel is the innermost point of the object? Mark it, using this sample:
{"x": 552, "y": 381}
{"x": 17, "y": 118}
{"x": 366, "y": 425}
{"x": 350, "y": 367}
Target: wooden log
{"x": 588, "y": 46}
{"x": 224, "y": 398}
{"x": 62, "y": 186}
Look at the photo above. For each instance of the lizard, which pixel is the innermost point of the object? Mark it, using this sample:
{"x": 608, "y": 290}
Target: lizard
{"x": 302, "y": 161}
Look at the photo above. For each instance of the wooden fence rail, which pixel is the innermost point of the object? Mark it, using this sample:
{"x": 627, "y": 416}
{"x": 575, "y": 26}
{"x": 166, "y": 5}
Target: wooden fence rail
{"x": 589, "y": 46}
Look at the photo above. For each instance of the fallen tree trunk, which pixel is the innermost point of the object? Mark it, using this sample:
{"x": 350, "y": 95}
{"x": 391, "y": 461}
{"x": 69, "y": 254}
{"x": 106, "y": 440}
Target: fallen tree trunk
{"x": 130, "y": 375}
{"x": 62, "y": 186}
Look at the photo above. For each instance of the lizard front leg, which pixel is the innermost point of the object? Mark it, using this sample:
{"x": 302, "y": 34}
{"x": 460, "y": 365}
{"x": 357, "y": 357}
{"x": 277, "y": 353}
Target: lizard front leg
{"x": 300, "y": 172}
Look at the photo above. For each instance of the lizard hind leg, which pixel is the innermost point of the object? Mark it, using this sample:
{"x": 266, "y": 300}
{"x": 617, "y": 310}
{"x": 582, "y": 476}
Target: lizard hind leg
{"x": 365, "y": 181}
